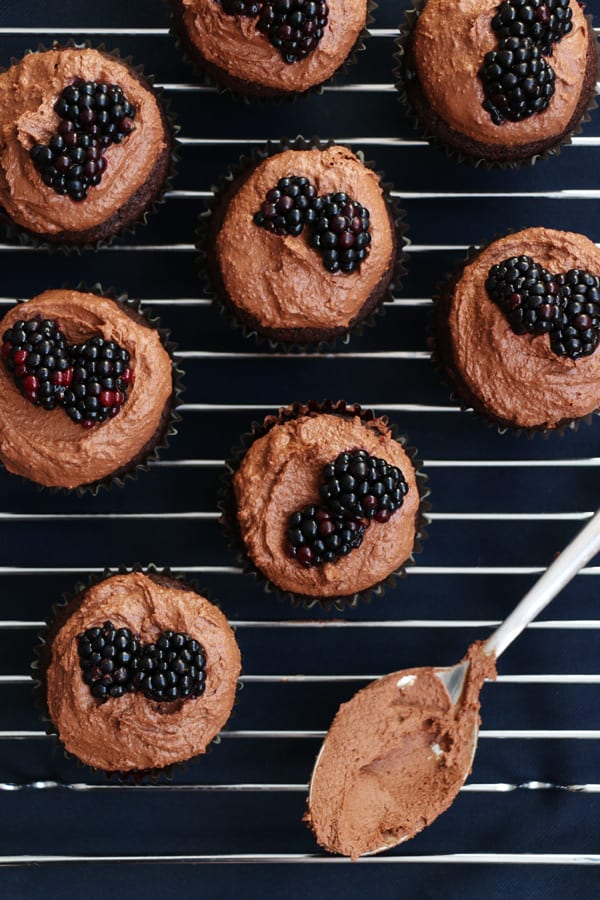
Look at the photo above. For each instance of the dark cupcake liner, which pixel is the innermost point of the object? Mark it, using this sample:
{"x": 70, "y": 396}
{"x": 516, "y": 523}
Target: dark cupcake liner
{"x": 404, "y": 77}
{"x": 191, "y": 56}
{"x": 167, "y": 429}
{"x": 440, "y": 360}
{"x": 228, "y": 508}
{"x": 204, "y": 238}
{"x": 60, "y": 612}
{"x": 27, "y": 238}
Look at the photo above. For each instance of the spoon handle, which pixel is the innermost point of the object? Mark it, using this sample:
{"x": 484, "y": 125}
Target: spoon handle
{"x": 581, "y": 549}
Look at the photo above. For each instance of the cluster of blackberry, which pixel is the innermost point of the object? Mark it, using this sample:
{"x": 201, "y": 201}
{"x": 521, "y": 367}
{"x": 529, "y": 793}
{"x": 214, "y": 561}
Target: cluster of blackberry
{"x": 94, "y": 116}
{"x": 355, "y": 489}
{"x": 114, "y": 662}
{"x": 565, "y": 306}
{"x": 518, "y": 81}
{"x": 294, "y": 27}
{"x": 340, "y": 226}
{"x": 90, "y": 381}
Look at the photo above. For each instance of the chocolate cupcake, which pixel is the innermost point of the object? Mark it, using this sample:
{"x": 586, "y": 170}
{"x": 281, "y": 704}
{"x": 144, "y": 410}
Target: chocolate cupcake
{"x": 324, "y": 502}
{"x": 517, "y": 330}
{"x": 138, "y": 672}
{"x": 88, "y": 389}
{"x": 85, "y": 148}
{"x": 508, "y": 82}
{"x": 270, "y": 49}
{"x": 319, "y": 244}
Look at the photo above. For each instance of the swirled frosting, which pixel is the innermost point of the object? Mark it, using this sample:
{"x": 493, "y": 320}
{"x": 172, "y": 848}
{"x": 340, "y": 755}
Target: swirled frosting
{"x": 132, "y": 732}
{"x": 47, "y": 446}
{"x": 28, "y": 92}
{"x": 281, "y": 281}
{"x": 281, "y": 472}
{"x": 233, "y": 43}
{"x": 448, "y": 58}
{"x": 518, "y": 378}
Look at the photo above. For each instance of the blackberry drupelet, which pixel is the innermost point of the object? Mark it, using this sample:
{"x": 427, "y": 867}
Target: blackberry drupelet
{"x": 545, "y": 22}
{"x": 173, "y": 668}
{"x": 578, "y": 332}
{"x": 94, "y": 116}
{"x": 36, "y": 353}
{"x": 294, "y": 27}
{"x": 316, "y": 535}
{"x": 288, "y": 207}
{"x": 342, "y": 233}
{"x": 108, "y": 657}
{"x": 517, "y": 81}
{"x": 527, "y": 293}
{"x": 250, "y": 8}
{"x": 101, "y": 378}
{"x": 359, "y": 485}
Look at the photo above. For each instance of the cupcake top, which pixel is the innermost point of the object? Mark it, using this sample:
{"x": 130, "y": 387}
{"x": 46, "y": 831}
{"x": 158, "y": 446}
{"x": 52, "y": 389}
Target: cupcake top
{"x": 29, "y": 92}
{"x": 53, "y": 446}
{"x": 448, "y": 61}
{"x": 132, "y": 731}
{"x": 529, "y": 379}
{"x": 236, "y": 43}
{"x": 280, "y": 280}
{"x": 284, "y": 472}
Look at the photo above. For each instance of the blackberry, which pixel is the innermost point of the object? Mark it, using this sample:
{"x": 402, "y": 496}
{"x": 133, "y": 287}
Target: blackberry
{"x": 249, "y": 8}
{"x": 544, "y": 22}
{"x": 101, "y": 378}
{"x": 359, "y": 485}
{"x": 342, "y": 234}
{"x": 527, "y": 293}
{"x": 294, "y": 27}
{"x": 36, "y": 353}
{"x": 94, "y": 115}
{"x": 108, "y": 657}
{"x": 173, "y": 668}
{"x": 578, "y": 332}
{"x": 316, "y": 535}
{"x": 517, "y": 81}
{"x": 288, "y": 207}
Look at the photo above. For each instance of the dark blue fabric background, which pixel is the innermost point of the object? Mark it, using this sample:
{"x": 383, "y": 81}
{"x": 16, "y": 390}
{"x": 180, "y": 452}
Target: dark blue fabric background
{"x": 179, "y": 820}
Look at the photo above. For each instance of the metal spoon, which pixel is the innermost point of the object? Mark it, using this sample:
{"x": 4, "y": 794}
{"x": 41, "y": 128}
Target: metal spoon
{"x": 584, "y": 546}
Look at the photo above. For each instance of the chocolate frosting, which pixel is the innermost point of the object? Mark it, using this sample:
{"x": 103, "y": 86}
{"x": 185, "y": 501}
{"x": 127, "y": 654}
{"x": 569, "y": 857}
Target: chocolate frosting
{"x": 394, "y": 758}
{"x": 47, "y": 446}
{"x": 448, "y": 60}
{"x": 28, "y": 93}
{"x": 281, "y": 281}
{"x": 281, "y": 472}
{"x": 132, "y": 732}
{"x": 233, "y": 43}
{"x": 518, "y": 378}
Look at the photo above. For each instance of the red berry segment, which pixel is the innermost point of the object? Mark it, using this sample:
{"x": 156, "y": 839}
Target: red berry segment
{"x": 101, "y": 378}
{"x": 36, "y": 353}
{"x": 544, "y": 22}
{"x": 288, "y": 207}
{"x": 295, "y": 27}
{"x": 94, "y": 116}
{"x": 316, "y": 535}
{"x": 517, "y": 81}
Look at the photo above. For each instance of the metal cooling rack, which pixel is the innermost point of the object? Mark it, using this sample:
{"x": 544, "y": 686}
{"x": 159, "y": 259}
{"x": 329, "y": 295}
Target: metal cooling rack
{"x": 526, "y": 821}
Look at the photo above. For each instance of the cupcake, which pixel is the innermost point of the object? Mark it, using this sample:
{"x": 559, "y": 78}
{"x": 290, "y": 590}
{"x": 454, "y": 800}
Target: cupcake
{"x": 517, "y": 330}
{"x": 324, "y": 502}
{"x": 85, "y": 146}
{"x": 271, "y": 49}
{"x": 87, "y": 389}
{"x": 319, "y": 244}
{"x": 139, "y": 672}
{"x": 506, "y": 83}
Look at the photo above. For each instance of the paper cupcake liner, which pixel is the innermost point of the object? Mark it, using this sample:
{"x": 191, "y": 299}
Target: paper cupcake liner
{"x": 405, "y": 77}
{"x": 27, "y": 238}
{"x": 459, "y": 393}
{"x": 60, "y": 612}
{"x": 228, "y": 507}
{"x": 211, "y": 279}
{"x": 167, "y": 428}
{"x": 192, "y": 57}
